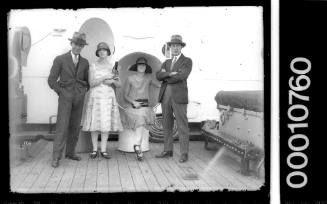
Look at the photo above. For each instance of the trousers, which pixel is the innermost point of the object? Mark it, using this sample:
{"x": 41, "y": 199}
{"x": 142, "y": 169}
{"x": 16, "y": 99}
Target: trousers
{"x": 169, "y": 109}
{"x": 68, "y": 124}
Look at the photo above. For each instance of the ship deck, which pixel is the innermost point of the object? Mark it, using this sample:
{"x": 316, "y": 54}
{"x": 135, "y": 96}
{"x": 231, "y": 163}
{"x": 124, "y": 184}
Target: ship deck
{"x": 215, "y": 169}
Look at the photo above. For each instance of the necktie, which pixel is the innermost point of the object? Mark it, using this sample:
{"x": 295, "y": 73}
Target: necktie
{"x": 75, "y": 60}
{"x": 172, "y": 63}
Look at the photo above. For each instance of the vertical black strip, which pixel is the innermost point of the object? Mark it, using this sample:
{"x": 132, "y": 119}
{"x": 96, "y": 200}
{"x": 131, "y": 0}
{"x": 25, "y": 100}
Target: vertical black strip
{"x": 303, "y": 34}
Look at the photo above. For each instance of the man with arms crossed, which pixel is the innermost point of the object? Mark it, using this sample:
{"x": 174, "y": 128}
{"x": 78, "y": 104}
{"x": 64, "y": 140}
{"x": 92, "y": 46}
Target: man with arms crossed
{"x": 173, "y": 96}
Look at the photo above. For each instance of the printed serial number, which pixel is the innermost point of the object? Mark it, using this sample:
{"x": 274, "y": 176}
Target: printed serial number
{"x": 298, "y": 113}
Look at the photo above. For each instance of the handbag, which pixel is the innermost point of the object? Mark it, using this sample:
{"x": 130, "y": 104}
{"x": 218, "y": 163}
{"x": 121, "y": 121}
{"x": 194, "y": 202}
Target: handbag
{"x": 143, "y": 102}
{"x": 116, "y": 75}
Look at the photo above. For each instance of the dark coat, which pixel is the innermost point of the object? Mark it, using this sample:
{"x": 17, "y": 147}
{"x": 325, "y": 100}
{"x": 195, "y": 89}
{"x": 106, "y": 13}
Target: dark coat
{"x": 177, "y": 82}
{"x": 71, "y": 79}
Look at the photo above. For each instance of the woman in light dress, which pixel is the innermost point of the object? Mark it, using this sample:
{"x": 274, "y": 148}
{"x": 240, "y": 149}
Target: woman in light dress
{"x": 101, "y": 110}
{"x": 140, "y": 116}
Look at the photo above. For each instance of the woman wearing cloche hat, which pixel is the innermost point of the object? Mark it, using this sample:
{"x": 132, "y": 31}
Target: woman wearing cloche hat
{"x": 139, "y": 115}
{"x": 101, "y": 108}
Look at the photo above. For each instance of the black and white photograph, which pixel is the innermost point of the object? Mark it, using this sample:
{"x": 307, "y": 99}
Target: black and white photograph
{"x": 109, "y": 100}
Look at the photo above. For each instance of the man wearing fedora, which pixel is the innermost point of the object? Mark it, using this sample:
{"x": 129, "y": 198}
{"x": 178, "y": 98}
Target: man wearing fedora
{"x": 173, "y": 96}
{"x": 69, "y": 79}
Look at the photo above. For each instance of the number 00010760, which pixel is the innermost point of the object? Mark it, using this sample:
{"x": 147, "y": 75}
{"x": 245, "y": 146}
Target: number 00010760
{"x": 297, "y": 115}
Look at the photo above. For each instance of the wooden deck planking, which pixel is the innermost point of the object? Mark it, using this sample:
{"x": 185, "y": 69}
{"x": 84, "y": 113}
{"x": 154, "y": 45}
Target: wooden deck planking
{"x": 137, "y": 176}
{"x": 190, "y": 168}
{"x": 252, "y": 182}
{"x": 67, "y": 179}
{"x": 19, "y": 155}
{"x": 205, "y": 184}
{"x": 19, "y": 173}
{"x": 114, "y": 175}
{"x": 19, "y": 167}
{"x": 209, "y": 180}
{"x": 149, "y": 177}
{"x": 224, "y": 173}
{"x": 125, "y": 174}
{"x": 42, "y": 180}
{"x": 157, "y": 172}
{"x": 231, "y": 163}
{"x": 211, "y": 177}
{"x": 103, "y": 176}
{"x": 175, "y": 182}
{"x": 218, "y": 176}
{"x": 230, "y": 174}
{"x": 56, "y": 177}
{"x": 80, "y": 175}
{"x": 190, "y": 185}
{"x": 90, "y": 183}
{"x": 35, "y": 172}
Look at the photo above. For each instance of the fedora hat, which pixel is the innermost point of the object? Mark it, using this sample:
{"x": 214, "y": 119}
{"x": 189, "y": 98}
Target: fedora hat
{"x": 78, "y": 38}
{"x": 102, "y": 45}
{"x": 141, "y": 60}
{"x": 176, "y": 39}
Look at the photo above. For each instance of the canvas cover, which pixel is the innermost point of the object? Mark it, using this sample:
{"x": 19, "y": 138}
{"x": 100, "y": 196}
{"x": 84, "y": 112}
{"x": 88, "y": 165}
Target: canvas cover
{"x": 248, "y": 100}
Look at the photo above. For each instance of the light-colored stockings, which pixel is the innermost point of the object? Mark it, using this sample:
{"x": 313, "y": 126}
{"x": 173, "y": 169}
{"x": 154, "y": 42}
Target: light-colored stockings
{"x": 104, "y": 140}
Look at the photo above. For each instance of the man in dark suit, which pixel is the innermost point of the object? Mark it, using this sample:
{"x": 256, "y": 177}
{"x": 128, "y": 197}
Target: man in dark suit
{"x": 69, "y": 79}
{"x": 173, "y": 96}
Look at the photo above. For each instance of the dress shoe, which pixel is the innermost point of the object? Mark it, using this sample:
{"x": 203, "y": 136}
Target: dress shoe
{"x": 184, "y": 158}
{"x": 55, "y": 163}
{"x": 105, "y": 155}
{"x": 165, "y": 154}
{"x": 73, "y": 157}
{"x": 139, "y": 153}
{"x": 94, "y": 154}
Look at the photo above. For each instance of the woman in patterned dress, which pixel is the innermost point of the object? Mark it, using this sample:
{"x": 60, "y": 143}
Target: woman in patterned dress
{"x": 140, "y": 116}
{"x": 101, "y": 110}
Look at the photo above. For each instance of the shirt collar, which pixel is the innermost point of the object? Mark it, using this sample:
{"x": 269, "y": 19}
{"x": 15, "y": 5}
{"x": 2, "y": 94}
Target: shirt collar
{"x": 177, "y": 57}
{"x": 73, "y": 55}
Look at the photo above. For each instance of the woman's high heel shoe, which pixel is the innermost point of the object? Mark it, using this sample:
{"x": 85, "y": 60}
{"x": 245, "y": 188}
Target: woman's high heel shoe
{"x": 105, "y": 155}
{"x": 93, "y": 154}
{"x": 139, "y": 154}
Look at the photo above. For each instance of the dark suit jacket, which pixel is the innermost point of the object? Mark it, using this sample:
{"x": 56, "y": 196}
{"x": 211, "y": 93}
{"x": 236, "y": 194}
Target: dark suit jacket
{"x": 71, "y": 78}
{"x": 177, "y": 82}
